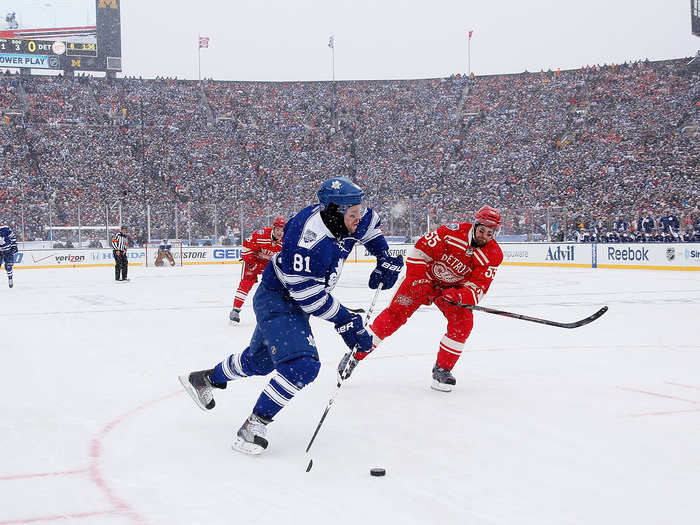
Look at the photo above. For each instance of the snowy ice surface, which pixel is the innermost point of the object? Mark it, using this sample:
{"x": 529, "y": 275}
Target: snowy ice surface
{"x": 596, "y": 425}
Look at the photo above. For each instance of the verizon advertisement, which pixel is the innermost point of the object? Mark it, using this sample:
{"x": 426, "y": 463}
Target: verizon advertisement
{"x": 136, "y": 256}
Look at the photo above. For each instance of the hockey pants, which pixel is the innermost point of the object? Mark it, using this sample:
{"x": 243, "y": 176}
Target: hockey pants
{"x": 405, "y": 303}
{"x": 121, "y": 265}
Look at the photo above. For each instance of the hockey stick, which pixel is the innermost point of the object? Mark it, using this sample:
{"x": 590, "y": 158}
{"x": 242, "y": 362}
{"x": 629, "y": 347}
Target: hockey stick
{"x": 522, "y": 317}
{"x": 309, "y": 460}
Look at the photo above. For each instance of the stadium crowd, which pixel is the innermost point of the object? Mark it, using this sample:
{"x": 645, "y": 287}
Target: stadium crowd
{"x": 568, "y": 155}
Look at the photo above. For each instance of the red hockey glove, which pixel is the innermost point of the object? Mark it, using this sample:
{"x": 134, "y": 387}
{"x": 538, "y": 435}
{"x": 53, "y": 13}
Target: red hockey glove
{"x": 424, "y": 290}
{"x": 460, "y": 295}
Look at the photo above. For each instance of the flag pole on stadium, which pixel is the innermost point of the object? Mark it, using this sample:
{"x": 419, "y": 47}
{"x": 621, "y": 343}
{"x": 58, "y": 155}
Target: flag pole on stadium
{"x": 469, "y": 54}
{"x": 202, "y": 41}
{"x": 331, "y": 44}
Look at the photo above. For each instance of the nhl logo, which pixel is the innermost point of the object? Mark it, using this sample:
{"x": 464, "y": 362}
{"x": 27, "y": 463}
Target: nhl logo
{"x": 670, "y": 253}
{"x": 309, "y": 236}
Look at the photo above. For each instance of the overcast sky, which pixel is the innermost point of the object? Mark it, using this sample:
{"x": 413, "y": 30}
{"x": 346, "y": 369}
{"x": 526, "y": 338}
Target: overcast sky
{"x": 380, "y": 39}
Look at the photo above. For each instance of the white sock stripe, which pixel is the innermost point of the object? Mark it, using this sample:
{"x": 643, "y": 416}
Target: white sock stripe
{"x": 449, "y": 350}
{"x": 451, "y": 343}
{"x": 284, "y": 383}
{"x": 280, "y": 390}
{"x": 227, "y": 368}
{"x": 238, "y": 366}
{"x": 274, "y": 396}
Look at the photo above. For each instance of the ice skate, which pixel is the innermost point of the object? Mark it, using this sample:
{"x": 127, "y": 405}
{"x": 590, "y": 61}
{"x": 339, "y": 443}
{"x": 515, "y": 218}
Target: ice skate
{"x": 9, "y": 282}
{"x": 235, "y": 315}
{"x": 200, "y": 388}
{"x": 443, "y": 380}
{"x": 250, "y": 438}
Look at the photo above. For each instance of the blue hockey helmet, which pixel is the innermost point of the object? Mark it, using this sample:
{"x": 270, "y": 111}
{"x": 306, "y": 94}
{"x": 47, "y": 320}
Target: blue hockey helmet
{"x": 340, "y": 191}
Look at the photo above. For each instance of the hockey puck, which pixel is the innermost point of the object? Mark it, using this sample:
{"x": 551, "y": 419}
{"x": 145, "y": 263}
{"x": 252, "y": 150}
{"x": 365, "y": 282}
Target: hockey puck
{"x": 377, "y": 472}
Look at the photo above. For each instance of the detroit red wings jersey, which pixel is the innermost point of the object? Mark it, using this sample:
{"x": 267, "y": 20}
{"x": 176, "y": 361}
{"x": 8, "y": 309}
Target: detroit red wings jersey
{"x": 447, "y": 257}
{"x": 261, "y": 245}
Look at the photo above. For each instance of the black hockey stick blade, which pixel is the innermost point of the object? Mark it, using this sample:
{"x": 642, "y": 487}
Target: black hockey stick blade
{"x": 574, "y": 324}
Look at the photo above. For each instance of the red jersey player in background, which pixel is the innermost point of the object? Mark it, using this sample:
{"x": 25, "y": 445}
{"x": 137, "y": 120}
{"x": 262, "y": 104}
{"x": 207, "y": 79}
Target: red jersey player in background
{"x": 256, "y": 252}
{"x": 454, "y": 264}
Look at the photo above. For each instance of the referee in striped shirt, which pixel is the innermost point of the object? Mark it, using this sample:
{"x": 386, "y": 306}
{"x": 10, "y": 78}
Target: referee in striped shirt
{"x": 119, "y": 244}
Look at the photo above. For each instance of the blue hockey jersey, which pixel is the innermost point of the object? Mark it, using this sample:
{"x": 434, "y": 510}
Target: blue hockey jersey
{"x": 8, "y": 241}
{"x": 311, "y": 261}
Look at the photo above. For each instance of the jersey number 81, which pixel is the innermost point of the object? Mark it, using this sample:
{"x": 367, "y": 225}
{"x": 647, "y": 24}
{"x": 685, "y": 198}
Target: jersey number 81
{"x": 301, "y": 263}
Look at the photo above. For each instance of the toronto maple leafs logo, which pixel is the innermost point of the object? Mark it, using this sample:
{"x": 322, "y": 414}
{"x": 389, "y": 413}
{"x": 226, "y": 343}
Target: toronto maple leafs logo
{"x": 309, "y": 236}
{"x": 336, "y": 185}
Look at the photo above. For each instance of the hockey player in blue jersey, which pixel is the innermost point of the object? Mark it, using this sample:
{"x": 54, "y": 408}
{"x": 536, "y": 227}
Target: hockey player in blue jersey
{"x": 8, "y": 249}
{"x": 296, "y": 284}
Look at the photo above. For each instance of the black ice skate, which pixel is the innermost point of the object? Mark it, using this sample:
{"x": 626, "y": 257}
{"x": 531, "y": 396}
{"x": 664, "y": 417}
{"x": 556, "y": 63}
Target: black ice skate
{"x": 199, "y": 386}
{"x": 9, "y": 282}
{"x": 250, "y": 438}
{"x": 235, "y": 315}
{"x": 443, "y": 380}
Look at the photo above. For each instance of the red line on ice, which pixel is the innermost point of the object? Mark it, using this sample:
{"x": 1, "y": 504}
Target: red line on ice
{"x": 658, "y": 395}
{"x": 78, "y": 515}
{"x": 94, "y": 472}
{"x": 684, "y": 386}
{"x": 666, "y": 413}
{"x": 43, "y": 475}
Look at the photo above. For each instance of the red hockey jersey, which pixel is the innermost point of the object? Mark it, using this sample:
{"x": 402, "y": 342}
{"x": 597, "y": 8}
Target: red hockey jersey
{"x": 260, "y": 246}
{"x": 447, "y": 257}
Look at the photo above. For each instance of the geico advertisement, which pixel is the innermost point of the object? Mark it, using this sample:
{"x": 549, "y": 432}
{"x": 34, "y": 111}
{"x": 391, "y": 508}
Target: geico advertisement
{"x": 681, "y": 254}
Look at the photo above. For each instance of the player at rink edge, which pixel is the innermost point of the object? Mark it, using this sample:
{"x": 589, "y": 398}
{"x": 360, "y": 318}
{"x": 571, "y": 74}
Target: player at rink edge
{"x": 257, "y": 251}
{"x": 454, "y": 264}
{"x": 296, "y": 284}
{"x": 8, "y": 249}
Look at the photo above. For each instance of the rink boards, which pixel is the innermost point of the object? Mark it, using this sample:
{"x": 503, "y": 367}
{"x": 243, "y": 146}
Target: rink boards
{"x": 679, "y": 256}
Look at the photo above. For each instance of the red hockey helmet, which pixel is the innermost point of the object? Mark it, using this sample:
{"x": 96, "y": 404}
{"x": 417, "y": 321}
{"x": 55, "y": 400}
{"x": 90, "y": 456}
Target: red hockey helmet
{"x": 488, "y": 216}
{"x": 279, "y": 222}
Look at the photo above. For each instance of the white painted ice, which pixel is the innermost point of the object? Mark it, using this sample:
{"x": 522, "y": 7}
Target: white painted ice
{"x": 597, "y": 425}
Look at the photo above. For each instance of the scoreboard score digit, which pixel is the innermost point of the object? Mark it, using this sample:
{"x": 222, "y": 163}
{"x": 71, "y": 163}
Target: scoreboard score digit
{"x": 26, "y": 47}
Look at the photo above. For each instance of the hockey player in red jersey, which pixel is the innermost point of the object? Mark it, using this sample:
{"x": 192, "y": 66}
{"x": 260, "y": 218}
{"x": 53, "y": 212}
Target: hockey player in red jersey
{"x": 256, "y": 252}
{"x": 454, "y": 264}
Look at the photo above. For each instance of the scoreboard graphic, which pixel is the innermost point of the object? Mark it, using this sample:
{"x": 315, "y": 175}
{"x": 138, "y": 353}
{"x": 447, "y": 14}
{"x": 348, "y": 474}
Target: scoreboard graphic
{"x": 79, "y": 35}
